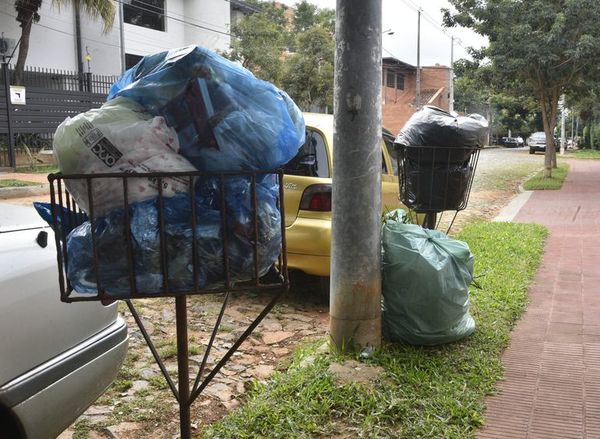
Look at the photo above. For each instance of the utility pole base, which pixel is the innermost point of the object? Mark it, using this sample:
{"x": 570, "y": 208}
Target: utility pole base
{"x": 364, "y": 334}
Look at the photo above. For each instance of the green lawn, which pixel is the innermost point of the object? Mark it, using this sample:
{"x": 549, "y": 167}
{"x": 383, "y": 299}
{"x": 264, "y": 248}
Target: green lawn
{"x": 16, "y": 183}
{"x": 538, "y": 182}
{"x": 584, "y": 154}
{"x": 423, "y": 392}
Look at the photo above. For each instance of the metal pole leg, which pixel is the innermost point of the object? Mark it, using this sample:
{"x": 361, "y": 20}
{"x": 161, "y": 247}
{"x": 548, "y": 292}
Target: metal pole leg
{"x": 183, "y": 367}
{"x": 430, "y": 220}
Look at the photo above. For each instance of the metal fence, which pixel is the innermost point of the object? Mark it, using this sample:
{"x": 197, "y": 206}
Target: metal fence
{"x": 27, "y": 127}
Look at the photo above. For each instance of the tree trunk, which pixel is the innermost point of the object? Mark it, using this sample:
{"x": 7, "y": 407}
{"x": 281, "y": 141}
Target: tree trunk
{"x": 23, "y": 50}
{"x": 549, "y": 106}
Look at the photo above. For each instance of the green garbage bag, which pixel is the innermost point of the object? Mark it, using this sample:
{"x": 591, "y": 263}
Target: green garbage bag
{"x": 426, "y": 276}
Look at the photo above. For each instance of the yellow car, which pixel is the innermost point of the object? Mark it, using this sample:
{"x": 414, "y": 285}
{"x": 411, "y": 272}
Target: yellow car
{"x": 307, "y": 195}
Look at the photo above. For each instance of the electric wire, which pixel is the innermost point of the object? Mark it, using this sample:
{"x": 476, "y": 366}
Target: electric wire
{"x": 433, "y": 22}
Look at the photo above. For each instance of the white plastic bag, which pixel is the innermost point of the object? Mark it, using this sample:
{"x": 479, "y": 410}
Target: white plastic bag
{"x": 118, "y": 137}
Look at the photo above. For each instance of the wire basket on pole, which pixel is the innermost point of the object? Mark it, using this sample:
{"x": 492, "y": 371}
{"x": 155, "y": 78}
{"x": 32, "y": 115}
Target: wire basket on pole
{"x": 434, "y": 179}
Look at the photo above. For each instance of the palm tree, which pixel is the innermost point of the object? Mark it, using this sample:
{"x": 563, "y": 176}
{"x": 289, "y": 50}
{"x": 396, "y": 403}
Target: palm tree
{"x": 27, "y": 14}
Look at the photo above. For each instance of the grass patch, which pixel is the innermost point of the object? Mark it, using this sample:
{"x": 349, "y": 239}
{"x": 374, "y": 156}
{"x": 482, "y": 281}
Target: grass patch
{"x": 9, "y": 182}
{"x": 42, "y": 169}
{"x": 424, "y": 391}
{"x": 82, "y": 429}
{"x": 539, "y": 183}
{"x": 592, "y": 154}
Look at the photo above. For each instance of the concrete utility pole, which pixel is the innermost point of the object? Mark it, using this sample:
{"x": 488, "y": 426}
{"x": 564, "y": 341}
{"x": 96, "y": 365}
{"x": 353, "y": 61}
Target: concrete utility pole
{"x": 355, "y": 309}
{"x": 451, "y": 79}
{"x": 419, "y": 60}
{"x": 122, "y": 38}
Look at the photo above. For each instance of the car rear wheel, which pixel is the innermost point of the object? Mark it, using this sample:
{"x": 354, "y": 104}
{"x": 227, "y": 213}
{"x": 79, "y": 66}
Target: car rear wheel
{"x": 531, "y": 151}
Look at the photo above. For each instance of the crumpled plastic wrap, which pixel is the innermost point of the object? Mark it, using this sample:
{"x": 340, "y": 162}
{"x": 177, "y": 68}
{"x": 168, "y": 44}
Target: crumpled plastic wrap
{"x": 226, "y": 119}
{"x": 118, "y": 137}
{"x": 426, "y": 278}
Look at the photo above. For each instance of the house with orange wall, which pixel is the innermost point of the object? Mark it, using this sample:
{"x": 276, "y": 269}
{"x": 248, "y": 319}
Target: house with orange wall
{"x": 399, "y": 90}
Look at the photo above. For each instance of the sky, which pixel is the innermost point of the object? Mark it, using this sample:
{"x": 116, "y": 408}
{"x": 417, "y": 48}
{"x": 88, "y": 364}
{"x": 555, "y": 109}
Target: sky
{"x": 401, "y": 17}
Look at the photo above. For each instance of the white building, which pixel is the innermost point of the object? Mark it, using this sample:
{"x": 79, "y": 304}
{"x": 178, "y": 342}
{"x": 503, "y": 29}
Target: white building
{"x": 141, "y": 27}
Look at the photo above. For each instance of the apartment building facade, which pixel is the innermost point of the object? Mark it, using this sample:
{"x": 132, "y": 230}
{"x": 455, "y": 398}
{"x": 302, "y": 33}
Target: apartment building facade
{"x": 141, "y": 27}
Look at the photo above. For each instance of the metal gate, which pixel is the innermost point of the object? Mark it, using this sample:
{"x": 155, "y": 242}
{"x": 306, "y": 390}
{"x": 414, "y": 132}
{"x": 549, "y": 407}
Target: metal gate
{"x": 29, "y": 116}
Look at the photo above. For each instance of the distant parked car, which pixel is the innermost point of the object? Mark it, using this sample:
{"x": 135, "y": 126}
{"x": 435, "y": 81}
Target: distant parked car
{"x": 537, "y": 142}
{"x": 510, "y": 142}
{"x": 56, "y": 358}
{"x": 520, "y": 142}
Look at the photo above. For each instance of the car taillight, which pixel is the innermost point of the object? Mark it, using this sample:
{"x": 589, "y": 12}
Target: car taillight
{"x": 317, "y": 198}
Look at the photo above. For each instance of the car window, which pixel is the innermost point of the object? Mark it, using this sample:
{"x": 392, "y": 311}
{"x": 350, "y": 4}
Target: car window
{"x": 311, "y": 160}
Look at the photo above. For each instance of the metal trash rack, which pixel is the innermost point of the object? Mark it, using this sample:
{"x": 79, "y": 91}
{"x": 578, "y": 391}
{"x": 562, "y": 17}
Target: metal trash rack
{"x": 67, "y": 215}
{"x": 434, "y": 179}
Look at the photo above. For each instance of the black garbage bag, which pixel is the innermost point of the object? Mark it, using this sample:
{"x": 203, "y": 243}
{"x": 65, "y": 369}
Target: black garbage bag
{"x": 435, "y": 189}
{"x": 432, "y": 126}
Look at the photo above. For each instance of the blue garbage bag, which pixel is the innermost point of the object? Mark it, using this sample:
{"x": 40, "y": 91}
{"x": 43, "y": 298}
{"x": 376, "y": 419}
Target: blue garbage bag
{"x": 114, "y": 263}
{"x": 241, "y": 234}
{"x": 113, "y": 255}
{"x": 226, "y": 119}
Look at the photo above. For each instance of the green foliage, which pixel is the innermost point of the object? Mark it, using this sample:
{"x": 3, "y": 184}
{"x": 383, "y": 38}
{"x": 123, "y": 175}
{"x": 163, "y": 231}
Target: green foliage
{"x": 477, "y": 89}
{"x": 595, "y": 136}
{"x": 258, "y": 43}
{"x": 548, "y": 47}
{"x": 309, "y": 71}
{"x": 295, "y": 54}
{"x": 28, "y": 13}
{"x": 539, "y": 183}
{"x": 423, "y": 392}
{"x": 103, "y": 9}
{"x": 586, "y": 136}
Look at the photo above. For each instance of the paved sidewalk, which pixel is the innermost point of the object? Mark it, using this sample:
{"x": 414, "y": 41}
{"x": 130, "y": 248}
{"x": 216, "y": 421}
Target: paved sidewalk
{"x": 552, "y": 380}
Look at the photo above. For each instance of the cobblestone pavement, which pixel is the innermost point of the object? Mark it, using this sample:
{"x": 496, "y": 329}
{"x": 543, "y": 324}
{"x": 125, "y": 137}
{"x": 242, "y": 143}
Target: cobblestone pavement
{"x": 139, "y": 404}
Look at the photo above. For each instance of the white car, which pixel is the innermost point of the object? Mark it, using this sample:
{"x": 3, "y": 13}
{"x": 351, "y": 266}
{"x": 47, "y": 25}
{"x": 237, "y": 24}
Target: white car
{"x": 56, "y": 359}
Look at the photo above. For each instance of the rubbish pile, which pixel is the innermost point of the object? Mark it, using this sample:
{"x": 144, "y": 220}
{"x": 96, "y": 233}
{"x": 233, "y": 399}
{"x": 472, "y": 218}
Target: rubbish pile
{"x": 437, "y": 147}
{"x": 183, "y": 110}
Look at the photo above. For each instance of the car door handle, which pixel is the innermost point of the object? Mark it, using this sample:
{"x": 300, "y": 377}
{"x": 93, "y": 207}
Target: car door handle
{"x": 42, "y": 239}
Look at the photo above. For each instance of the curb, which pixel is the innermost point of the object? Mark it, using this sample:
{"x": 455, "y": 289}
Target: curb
{"x": 22, "y": 192}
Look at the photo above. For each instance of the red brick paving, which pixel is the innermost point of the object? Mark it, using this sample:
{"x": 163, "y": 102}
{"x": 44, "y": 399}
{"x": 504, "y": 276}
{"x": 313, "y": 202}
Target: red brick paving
{"x": 552, "y": 377}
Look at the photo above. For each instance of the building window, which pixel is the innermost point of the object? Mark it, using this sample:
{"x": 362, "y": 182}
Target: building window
{"x": 145, "y": 13}
{"x": 131, "y": 60}
{"x": 394, "y": 80}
